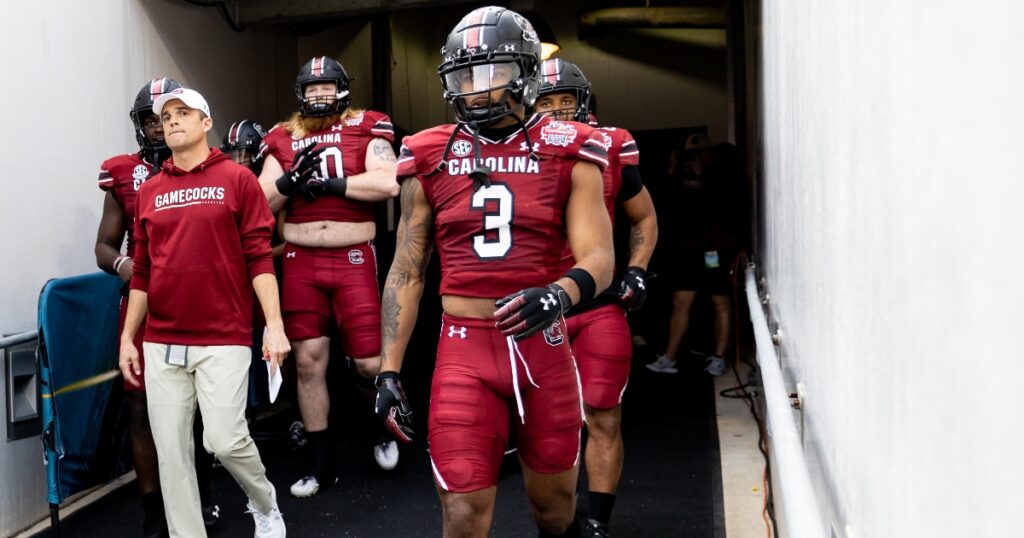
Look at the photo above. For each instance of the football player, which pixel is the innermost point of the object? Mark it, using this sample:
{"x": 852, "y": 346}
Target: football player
{"x": 329, "y": 265}
{"x": 242, "y": 143}
{"x": 598, "y": 332}
{"x": 498, "y": 194}
{"x": 120, "y": 177}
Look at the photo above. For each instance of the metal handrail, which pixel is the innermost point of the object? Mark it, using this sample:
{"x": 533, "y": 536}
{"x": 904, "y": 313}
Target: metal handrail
{"x": 792, "y": 481}
{"x": 19, "y": 338}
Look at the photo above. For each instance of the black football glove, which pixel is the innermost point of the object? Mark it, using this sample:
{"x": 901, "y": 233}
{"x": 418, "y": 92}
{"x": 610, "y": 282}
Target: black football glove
{"x": 316, "y": 186}
{"x": 525, "y": 312}
{"x": 304, "y": 165}
{"x": 633, "y": 288}
{"x": 392, "y": 407}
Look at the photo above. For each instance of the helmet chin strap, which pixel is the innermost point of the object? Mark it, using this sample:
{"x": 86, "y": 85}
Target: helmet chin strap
{"x": 155, "y": 155}
{"x": 481, "y": 173}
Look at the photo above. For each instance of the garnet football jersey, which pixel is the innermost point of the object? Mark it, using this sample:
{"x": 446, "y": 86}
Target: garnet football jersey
{"x": 622, "y": 152}
{"x": 122, "y": 176}
{"x": 509, "y": 236}
{"x": 344, "y": 156}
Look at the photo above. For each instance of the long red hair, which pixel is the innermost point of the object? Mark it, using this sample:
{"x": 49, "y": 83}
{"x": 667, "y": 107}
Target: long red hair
{"x": 300, "y": 126}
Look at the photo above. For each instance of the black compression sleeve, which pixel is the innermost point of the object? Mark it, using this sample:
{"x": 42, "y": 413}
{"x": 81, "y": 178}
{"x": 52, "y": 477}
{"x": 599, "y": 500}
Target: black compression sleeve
{"x": 631, "y": 184}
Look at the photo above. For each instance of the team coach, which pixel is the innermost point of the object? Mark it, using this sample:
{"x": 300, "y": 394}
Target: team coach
{"x": 202, "y": 235}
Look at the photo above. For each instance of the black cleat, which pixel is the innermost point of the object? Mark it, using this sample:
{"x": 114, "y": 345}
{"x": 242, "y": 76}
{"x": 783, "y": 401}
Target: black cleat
{"x": 595, "y": 529}
{"x": 154, "y": 528}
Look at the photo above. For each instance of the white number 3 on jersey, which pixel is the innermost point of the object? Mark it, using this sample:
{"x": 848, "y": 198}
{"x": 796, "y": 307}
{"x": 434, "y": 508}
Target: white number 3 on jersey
{"x": 493, "y": 248}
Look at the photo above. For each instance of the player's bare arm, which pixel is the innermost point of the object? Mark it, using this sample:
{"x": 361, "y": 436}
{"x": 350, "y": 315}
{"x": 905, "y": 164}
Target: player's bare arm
{"x": 643, "y": 222}
{"x": 378, "y": 181}
{"x": 109, "y": 237}
{"x": 404, "y": 285}
{"x": 400, "y": 306}
{"x": 589, "y": 229}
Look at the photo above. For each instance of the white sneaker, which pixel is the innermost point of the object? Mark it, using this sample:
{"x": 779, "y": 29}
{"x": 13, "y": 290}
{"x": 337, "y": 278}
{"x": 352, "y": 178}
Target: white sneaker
{"x": 716, "y": 365}
{"x": 269, "y": 525}
{"x": 386, "y": 454}
{"x": 307, "y": 486}
{"x": 663, "y": 365}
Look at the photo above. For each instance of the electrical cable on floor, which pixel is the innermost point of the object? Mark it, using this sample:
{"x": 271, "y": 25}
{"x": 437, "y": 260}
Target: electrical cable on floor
{"x": 768, "y": 508}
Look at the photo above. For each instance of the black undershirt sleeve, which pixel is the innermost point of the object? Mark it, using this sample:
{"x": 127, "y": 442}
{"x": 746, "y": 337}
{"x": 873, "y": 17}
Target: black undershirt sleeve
{"x": 631, "y": 184}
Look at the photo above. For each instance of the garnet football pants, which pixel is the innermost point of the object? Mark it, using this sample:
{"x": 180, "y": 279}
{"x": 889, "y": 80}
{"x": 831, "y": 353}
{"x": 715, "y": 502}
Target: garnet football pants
{"x": 480, "y": 380}
{"x": 603, "y": 349}
{"x": 322, "y": 286}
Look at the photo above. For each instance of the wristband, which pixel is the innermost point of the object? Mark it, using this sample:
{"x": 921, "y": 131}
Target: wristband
{"x": 118, "y": 262}
{"x": 337, "y": 185}
{"x": 284, "y": 184}
{"x": 584, "y": 282}
{"x": 386, "y": 375}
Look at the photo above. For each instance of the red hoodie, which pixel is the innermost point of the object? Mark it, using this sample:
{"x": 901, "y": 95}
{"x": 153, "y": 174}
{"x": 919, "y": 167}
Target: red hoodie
{"x": 200, "y": 238}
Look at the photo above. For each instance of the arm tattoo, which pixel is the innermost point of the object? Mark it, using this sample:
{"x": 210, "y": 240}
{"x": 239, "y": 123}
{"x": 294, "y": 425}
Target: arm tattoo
{"x": 415, "y": 233}
{"x": 636, "y": 240}
{"x": 389, "y": 311}
{"x": 384, "y": 151}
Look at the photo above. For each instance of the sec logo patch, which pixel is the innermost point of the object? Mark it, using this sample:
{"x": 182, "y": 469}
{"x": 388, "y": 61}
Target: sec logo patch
{"x": 462, "y": 148}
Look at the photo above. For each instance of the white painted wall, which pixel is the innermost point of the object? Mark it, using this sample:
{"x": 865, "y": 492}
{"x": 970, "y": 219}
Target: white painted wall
{"x": 892, "y": 196}
{"x": 70, "y": 72}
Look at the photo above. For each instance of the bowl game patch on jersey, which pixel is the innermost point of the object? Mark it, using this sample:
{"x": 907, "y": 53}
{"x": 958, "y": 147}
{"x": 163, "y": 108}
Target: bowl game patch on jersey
{"x": 558, "y": 133}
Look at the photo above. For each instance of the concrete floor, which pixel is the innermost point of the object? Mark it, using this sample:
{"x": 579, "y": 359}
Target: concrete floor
{"x": 742, "y": 464}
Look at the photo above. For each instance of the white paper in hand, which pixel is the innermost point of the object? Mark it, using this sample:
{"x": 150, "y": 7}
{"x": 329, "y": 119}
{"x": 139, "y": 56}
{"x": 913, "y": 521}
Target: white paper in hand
{"x": 273, "y": 379}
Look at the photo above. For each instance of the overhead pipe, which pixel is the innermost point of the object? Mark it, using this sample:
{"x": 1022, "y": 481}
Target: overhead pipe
{"x": 657, "y": 17}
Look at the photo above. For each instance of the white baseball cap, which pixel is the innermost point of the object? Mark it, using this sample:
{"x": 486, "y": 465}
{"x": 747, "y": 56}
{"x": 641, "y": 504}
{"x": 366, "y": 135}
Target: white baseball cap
{"x": 191, "y": 98}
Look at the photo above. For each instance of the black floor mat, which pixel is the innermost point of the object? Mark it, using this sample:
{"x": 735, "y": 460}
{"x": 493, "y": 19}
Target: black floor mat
{"x": 670, "y": 484}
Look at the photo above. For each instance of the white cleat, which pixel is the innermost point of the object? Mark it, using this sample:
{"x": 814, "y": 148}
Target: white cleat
{"x": 269, "y": 525}
{"x": 386, "y": 454}
{"x": 307, "y": 486}
{"x": 716, "y": 365}
{"x": 663, "y": 365}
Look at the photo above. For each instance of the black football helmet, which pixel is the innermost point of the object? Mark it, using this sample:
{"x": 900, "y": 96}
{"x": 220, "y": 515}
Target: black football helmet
{"x": 491, "y": 48}
{"x": 242, "y": 143}
{"x": 559, "y": 76}
{"x": 143, "y": 108}
{"x": 317, "y": 70}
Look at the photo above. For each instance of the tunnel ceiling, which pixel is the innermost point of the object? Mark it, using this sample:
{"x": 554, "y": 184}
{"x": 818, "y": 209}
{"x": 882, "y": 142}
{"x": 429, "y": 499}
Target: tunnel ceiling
{"x": 594, "y": 13}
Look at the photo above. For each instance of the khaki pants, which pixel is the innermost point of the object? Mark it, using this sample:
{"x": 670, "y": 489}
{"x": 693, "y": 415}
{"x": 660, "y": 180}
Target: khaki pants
{"x": 218, "y": 377}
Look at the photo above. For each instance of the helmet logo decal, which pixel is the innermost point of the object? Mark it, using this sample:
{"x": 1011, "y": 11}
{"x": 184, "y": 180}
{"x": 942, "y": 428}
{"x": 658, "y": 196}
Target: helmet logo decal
{"x": 316, "y": 67}
{"x": 558, "y": 133}
{"x": 529, "y": 34}
{"x": 461, "y": 148}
